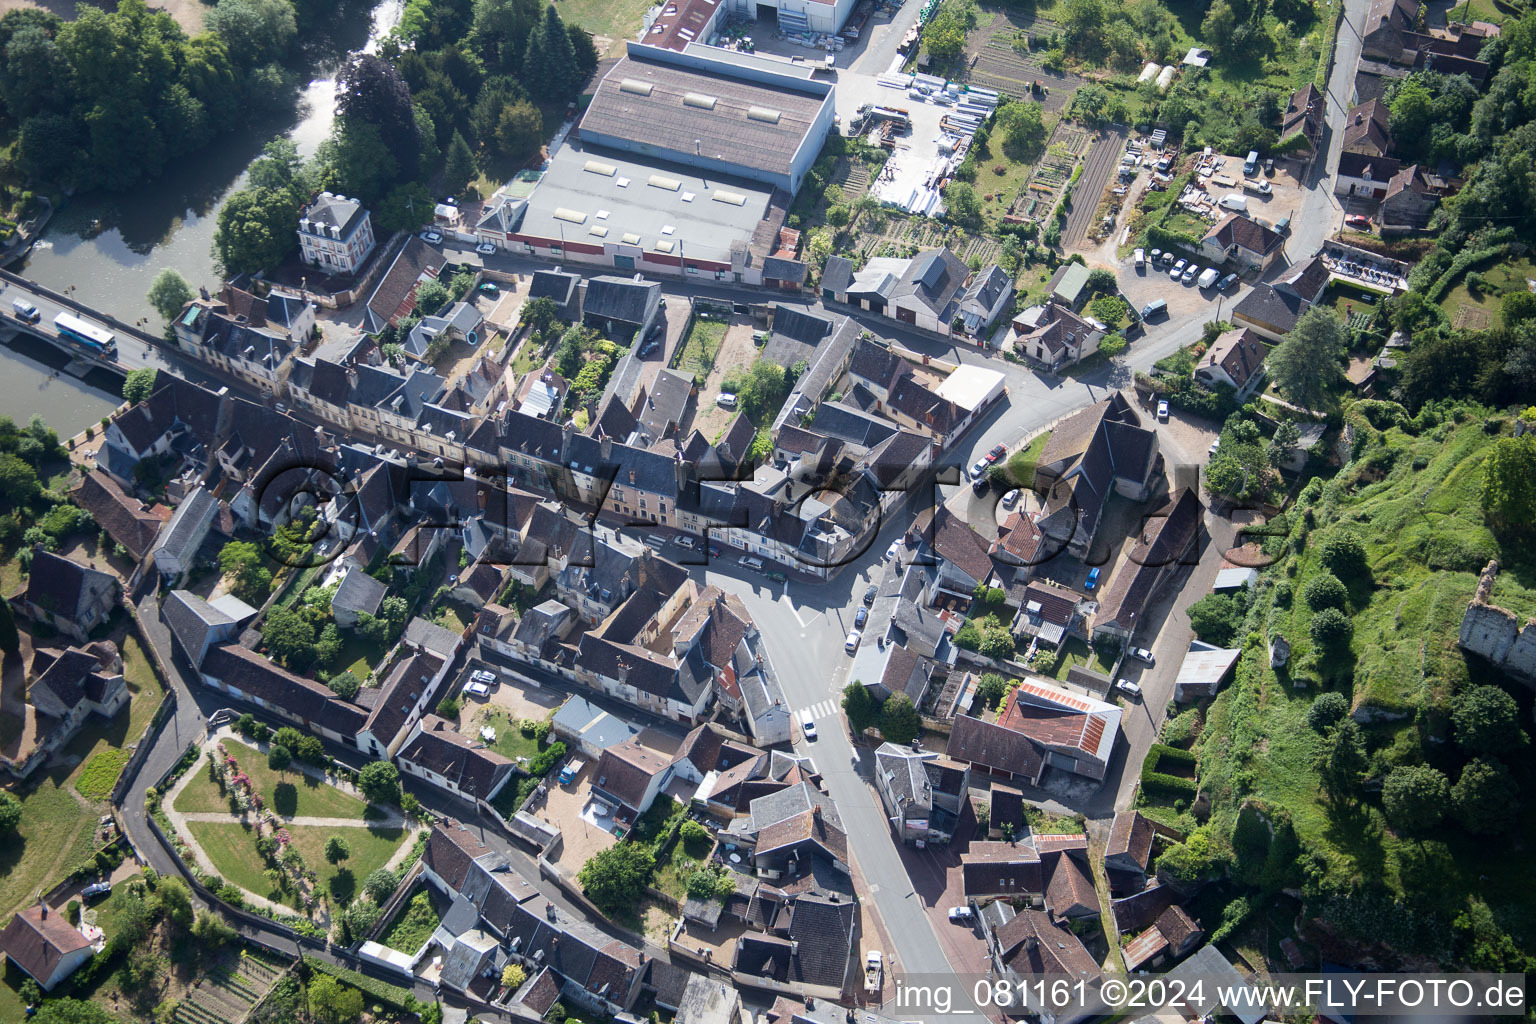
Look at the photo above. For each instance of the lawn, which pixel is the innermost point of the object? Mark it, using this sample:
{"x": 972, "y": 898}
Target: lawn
{"x": 671, "y": 875}
{"x": 1078, "y": 653}
{"x": 414, "y": 924}
{"x": 510, "y": 741}
{"x": 231, "y": 847}
{"x": 54, "y": 836}
{"x": 701, "y": 346}
{"x": 618, "y": 20}
{"x": 530, "y": 356}
{"x": 1348, "y": 299}
{"x": 100, "y": 773}
{"x": 358, "y": 656}
{"x": 1498, "y": 279}
{"x": 302, "y": 795}
{"x": 1021, "y": 464}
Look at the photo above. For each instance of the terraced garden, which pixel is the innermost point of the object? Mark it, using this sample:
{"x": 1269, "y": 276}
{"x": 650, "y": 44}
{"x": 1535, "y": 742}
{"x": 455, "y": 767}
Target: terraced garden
{"x": 227, "y": 994}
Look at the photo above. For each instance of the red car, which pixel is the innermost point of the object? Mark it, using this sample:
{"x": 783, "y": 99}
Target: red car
{"x": 996, "y": 453}
{"x": 1358, "y": 222}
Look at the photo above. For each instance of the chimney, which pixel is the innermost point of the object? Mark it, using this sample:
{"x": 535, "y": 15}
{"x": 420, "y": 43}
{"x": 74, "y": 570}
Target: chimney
{"x": 1031, "y": 944}
{"x": 631, "y": 477}
{"x": 606, "y": 446}
{"x": 480, "y": 498}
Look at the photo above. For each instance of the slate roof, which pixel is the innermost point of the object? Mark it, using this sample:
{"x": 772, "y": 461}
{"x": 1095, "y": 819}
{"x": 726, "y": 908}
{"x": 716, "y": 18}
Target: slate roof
{"x": 469, "y": 765}
{"x": 837, "y": 275}
{"x": 620, "y": 299}
{"x": 875, "y": 363}
{"x": 935, "y": 277}
{"x": 1057, "y": 950}
{"x": 823, "y": 931}
{"x": 359, "y": 592}
{"x": 188, "y": 525}
{"x": 400, "y": 694}
{"x": 553, "y": 284}
{"x": 191, "y": 620}
{"x": 332, "y": 211}
{"x": 1368, "y": 166}
{"x": 431, "y": 637}
{"x": 38, "y": 939}
{"x": 993, "y": 746}
{"x": 1270, "y": 307}
{"x": 1069, "y": 892}
{"x": 255, "y": 676}
{"x": 125, "y": 518}
{"x": 1236, "y": 230}
{"x": 57, "y": 583}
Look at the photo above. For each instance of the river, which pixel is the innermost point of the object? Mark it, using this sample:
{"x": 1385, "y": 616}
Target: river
{"x": 109, "y": 247}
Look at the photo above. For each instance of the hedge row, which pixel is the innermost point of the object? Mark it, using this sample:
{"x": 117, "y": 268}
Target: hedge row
{"x": 1161, "y": 752}
{"x": 1464, "y": 261}
{"x": 391, "y": 995}
{"x": 1154, "y": 781}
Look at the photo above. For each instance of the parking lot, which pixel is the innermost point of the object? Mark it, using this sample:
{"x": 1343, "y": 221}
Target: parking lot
{"x": 569, "y": 808}
{"x": 511, "y": 695}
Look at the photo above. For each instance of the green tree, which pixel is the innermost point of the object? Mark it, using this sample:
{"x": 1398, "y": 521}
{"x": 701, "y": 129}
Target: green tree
{"x": 519, "y": 134}
{"x": 256, "y": 230}
{"x": 356, "y": 160}
{"x": 1330, "y": 629}
{"x": 380, "y": 885}
{"x": 1286, "y": 437}
{"x": 279, "y": 758}
{"x": 1216, "y": 618}
{"x": 1305, "y": 366}
{"x": 459, "y": 165}
{"x": 371, "y": 91}
{"x": 1412, "y": 111}
{"x": 1327, "y": 710}
{"x": 513, "y": 976}
{"x": 169, "y": 294}
{"x": 71, "y": 1011}
{"x": 331, "y": 1002}
{"x": 10, "y": 639}
{"x": 380, "y": 782}
{"x": 138, "y": 385}
{"x": 10, "y": 813}
{"x": 344, "y": 684}
{"x": 899, "y": 721}
{"x": 257, "y": 31}
{"x": 18, "y": 481}
{"x": 1324, "y": 591}
{"x": 448, "y": 707}
{"x": 1219, "y": 26}
{"x": 1485, "y": 799}
{"x": 549, "y": 66}
{"x": 1103, "y": 280}
{"x": 1344, "y": 556}
{"x": 615, "y": 878}
{"x": 310, "y": 750}
{"x": 992, "y": 689}
{"x": 860, "y": 706}
{"x": 962, "y": 206}
{"x": 1509, "y": 483}
{"x": 1487, "y": 722}
{"x": 431, "y": 297}
{"x": 1414, "y": 797}
{"x": 1023, "y": 129}
{"x": 290, "y": 636}
{"x": 244, "y": 564}
{"x": 1342, "y": 761}
{"x": 337, "y": 849}
{"x": 583, "y": 53}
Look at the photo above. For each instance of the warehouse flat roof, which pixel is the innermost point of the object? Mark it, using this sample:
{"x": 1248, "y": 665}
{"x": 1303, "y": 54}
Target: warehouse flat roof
{"x": 597, "y": 196}
{"x": 666, "y": 107}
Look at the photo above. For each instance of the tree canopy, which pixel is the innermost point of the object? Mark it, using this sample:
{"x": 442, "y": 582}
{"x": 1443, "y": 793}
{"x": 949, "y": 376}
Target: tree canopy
{"x": 169, "y": 293}
{"x": 1305, "y": 366}
{"x": 615, "y": 878}
{"x": 1414, "y": 797}
{"x": 380, "y": 782}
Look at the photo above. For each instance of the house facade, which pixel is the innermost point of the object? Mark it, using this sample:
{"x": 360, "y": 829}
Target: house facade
{"x": 335, "y": 234}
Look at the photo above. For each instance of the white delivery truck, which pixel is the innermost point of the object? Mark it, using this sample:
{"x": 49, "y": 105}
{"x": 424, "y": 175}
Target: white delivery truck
{"x": 1237, "y": 204}
{"x": 1209, "y": 278}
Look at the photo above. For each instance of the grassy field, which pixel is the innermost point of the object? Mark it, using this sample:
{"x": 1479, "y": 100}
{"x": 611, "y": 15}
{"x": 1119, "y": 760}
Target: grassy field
{"x": 671, "y": 875}
{"x": 1413, "y": 501}
{"x": 616, "y": 20}
{"x": 701, "y": 346}
{"x": 1021, "y": 464}
{"x": 1499, "y": 279}
{"x": 358, "y": 656}
{"x": 231, "y": 847}
{"x": 302, "y": 795}
{"x": 414, "y": 924}
{"x": 1078, "y": 653}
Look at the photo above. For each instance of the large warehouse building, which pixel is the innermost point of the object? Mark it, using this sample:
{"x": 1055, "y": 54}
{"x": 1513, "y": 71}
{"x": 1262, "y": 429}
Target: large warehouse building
{"x": 684, "y": 163}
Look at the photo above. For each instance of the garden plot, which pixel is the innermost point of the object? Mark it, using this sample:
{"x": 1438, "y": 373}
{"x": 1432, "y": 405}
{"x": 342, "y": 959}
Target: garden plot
{"x": 999, "y": 58}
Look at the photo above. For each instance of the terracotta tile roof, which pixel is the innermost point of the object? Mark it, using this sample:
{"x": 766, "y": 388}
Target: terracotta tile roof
{"x": 125, "y": 518}
{"x": 1070, "y": 892}
{"x": 1130, "y": 839}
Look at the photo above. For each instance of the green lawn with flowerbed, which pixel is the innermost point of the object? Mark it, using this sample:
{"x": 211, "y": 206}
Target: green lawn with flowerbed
{"x": 292, "y": 794}
{"x": 231, "y": 847}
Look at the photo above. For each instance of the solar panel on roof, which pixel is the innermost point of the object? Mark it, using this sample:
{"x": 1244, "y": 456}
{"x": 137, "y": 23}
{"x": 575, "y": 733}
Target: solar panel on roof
{"x": 637, "y": 87}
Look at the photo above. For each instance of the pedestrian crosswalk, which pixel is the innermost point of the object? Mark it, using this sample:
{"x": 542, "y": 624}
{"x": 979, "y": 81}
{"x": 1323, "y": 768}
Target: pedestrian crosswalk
{"x": 818, "y": 711}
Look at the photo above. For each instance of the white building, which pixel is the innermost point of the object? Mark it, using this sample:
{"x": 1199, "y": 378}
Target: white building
{"x": 335, "y": 234}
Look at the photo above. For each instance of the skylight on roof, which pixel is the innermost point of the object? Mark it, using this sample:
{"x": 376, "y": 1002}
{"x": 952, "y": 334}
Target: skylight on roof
{"x": 572, "y": 216}
{"x": 663, "y": 245}
{"x": 598, "y": 167}
{"x": 635, "y": 86}
{"x": 622, "y": 183}
{"x": 598, "y": 230}
{"x": 601, "y": 215}
{"x": 698, "y": 99}
{"x": 765, "y": 114}
{"x": 688, "y": 197}
{"x": 720, "y": 195}
{"x": 662, "y": 181}
{"x": 668, "y": 229}
{"x": 630, "y": 238}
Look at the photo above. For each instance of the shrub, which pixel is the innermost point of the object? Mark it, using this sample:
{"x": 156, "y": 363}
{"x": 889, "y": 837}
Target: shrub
{"x": 1414, "y": 797}
{"x": 693, "y": 833}
{"x": 1344, "y": 556}
{"x": 1324, "y": 591}
{"x": 1327, "y": 711}
{"x": 1330, "y": 629}
{"x": 448, "y": 707}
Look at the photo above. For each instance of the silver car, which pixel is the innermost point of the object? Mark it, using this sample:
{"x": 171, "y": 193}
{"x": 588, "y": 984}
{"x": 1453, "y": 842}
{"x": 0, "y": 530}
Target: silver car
{"x": 1190, "y": 273}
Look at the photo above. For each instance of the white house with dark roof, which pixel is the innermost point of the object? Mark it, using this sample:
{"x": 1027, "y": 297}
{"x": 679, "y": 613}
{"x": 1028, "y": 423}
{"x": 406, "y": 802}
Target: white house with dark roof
{"x": 1271, "y": 310}
{"x": 435, "y": 752}
{"x": 335, "y": 234}
{"x": 1245, "y": 242}
{"x": 60, "y": 592}
{"x": 44, "y": 945}
{"x": 1054, "y": 336}
{"x": 923, "y": 792}
{"x": 176, "y": 547}
{"x": 196, "y": 625}
{"x": 1236, "y": 359}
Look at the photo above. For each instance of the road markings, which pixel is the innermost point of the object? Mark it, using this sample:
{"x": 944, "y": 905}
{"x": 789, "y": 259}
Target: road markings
{"x": 819, "y": 710}
{"x": 804, "y": 623}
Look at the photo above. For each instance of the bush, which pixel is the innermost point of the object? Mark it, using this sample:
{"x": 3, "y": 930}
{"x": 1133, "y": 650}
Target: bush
{"x": 693, "y": 833}
{"x": 1344, "y": 556}
{"x": 1324, "y": 591}
{"x": 448, "y": 707}
{"x": 1330, "y": 629}
{"x": 1327, "y": 711}
{"x": 1414, "y": 797}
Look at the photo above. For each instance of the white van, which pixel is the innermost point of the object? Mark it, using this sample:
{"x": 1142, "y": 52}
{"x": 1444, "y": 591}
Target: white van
{"x": 725, "y": 400}
{"x": 1237, "y": 204}
{"x": 1251, "y": 165}
{"x": 25, "y": 311}
{"x": 1209, "y": 278}
{"x": 1141, "y": 259}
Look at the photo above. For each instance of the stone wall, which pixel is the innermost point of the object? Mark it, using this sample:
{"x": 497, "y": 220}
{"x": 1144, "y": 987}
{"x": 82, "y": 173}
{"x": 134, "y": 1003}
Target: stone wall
{"x": 1497, "y": 634}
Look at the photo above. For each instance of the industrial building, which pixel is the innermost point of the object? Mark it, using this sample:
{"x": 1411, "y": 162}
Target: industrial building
{"x": 684, "y": 163}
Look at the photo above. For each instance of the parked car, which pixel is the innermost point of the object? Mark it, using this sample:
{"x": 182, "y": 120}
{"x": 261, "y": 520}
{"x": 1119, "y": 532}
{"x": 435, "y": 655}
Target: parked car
{"x": 725, "y": 400}
{"x": 1189, "y": 274}
{"x": 477, "y": 690}
{"x": 1358, "y": 222}
{"x": 1177, "y": 269}
{"x": 870, "y": 594}
{"x": 1011, "y": 499}
{"x": 714, "y": 552}
{"x": 431, "y": 237}
{"x": 852, "y": 643}
{"x": 485, "y": 249}
{"x": 961, "y": 914}
{"x": 490, "y": 288}
{"x": 890, "y": 552}
{"x": 751, "y": 562}
{"x": 1142, "y": 654}
{"x": 1140, "y": 256}
{"x": 776, "y": 577}
{"x": 980, "y": 469}
{"x": 482, "y": 676}
{"x": 95, "y": 889}
{"x": 1227, "y": 282}
{"x": 997, "y": 452}
{"x": 1216, "y": 444}
{"x": 860, "y": 617}
{"x": 1128, "y": 688}
{"x": 1209, "y": 278}
{"x": 1154, "y": 308}
{"x": 1162, "y": 411}
{"x": 1093, "y": 578}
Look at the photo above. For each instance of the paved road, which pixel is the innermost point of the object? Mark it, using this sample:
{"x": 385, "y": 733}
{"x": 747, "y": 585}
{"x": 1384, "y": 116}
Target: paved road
{"x": 132, "y": 354}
